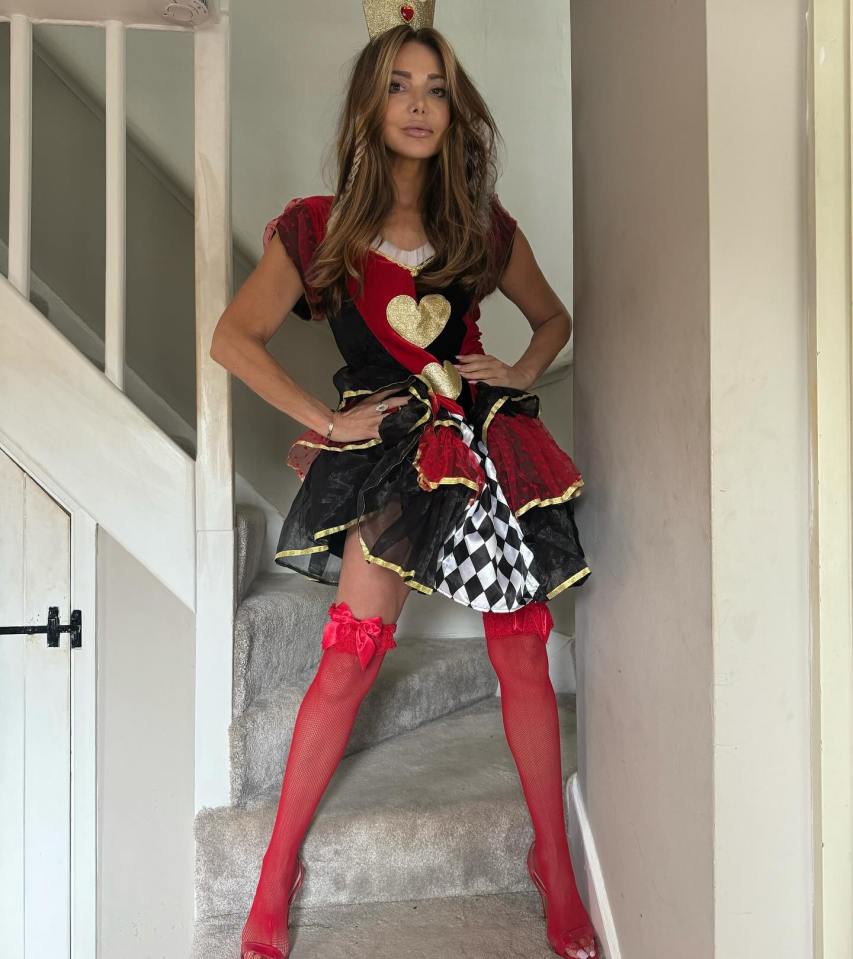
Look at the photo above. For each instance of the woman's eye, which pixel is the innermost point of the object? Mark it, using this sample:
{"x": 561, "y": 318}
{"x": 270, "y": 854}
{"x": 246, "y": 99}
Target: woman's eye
{"x": 441, "y": 90}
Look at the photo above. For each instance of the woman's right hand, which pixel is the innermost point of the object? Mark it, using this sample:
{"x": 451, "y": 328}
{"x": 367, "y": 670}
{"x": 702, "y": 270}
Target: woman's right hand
{"x": 361, "y": 420}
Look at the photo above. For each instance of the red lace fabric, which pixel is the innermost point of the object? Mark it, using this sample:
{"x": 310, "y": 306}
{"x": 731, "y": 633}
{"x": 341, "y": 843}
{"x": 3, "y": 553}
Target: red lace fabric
{"x": 530, "y": 464}
{"x": 305, "y": 449}
{"x": 362, "y": 637}
{"x": 299, "y": 227}
{"x": 300, "y": 457}
{"x": 308, "y": 445}
{"x": 532, "y": 618}
{"x": 442, "y": 456}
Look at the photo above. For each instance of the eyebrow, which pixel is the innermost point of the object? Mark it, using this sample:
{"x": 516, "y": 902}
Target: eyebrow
{"x": 430, "y": 76}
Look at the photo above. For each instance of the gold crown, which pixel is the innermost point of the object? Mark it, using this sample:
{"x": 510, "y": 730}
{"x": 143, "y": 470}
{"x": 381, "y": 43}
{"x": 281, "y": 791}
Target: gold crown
{"x": 382, "y": 15}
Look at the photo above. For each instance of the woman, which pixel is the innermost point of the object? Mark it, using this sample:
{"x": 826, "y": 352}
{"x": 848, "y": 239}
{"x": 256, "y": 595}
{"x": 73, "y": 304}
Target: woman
{"x": 434, "y": 472}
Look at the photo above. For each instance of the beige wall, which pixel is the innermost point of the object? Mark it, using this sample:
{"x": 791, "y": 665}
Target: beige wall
{"x": 146, "y": 667}
{"x": 641, "y": 434}
{"x": 690, "y": 424}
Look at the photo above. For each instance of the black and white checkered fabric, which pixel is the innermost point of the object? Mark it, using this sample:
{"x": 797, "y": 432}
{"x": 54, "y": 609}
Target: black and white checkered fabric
{"x": 485, "y": 563}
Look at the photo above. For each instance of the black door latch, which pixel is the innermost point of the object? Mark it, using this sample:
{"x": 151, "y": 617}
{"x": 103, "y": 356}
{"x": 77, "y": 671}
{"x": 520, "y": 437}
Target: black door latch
{"x": 53, "y": 628}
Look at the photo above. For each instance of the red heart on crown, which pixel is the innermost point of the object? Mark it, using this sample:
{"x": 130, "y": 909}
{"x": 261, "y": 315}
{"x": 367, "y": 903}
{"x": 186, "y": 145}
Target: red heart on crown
{"x": 407, "y": 12}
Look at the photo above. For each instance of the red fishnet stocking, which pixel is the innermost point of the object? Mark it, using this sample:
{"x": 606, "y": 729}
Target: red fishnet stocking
{"x": 516, "y": 647}
{"x": 353, "y": 651}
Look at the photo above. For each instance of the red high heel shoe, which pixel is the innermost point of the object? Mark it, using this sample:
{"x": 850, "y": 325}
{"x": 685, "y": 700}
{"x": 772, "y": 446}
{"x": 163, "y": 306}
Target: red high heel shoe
{"x": 574, "y": 939}
{"x": 263, "y": 948}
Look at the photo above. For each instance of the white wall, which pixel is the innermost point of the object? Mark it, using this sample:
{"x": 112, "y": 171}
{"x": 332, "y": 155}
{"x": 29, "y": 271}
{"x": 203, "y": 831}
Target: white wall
{"x": 146, "y": 683}
{"x": 691, "y": 423}
{"x": 759, "y": 478}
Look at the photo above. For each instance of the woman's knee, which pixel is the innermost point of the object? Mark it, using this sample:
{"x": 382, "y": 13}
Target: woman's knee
{"x": 368, "y": 588}
{"x": 352, "y": 650}
{"x": 361, "y": 624}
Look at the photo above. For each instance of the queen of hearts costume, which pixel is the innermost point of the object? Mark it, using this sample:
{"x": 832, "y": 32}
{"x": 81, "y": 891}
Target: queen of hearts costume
{"x": 465, "y": 492}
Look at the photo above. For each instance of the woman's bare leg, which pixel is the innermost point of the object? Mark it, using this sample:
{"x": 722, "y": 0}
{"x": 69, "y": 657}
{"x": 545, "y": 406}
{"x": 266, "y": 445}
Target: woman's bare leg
{"x": 323, "y": 724}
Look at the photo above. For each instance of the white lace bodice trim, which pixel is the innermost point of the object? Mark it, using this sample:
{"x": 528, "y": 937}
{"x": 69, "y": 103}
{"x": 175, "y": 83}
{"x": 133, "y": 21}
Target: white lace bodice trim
{"x": 406, "y": 257}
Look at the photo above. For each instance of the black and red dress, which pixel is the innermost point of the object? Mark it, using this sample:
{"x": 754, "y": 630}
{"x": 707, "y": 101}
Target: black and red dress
{"x": 465, "y": 492}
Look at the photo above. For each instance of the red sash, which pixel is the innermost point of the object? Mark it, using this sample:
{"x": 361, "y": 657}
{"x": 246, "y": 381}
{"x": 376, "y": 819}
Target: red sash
{"x": 383, "y": 280}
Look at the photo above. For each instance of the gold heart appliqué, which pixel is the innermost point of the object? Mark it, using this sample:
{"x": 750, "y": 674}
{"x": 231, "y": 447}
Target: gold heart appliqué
{"x": 443, "y": 379}
{"x": 419, "y": 323}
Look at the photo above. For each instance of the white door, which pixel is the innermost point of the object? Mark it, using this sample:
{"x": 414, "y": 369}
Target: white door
{"x": 35, "y": 721}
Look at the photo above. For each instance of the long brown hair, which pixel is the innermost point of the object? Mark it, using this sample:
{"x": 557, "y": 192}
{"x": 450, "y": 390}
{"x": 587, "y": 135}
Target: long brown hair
{"x": 460, "y": 181}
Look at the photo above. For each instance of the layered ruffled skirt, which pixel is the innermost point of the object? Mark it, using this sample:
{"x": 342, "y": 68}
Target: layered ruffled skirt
{"x": 479, "y": 508}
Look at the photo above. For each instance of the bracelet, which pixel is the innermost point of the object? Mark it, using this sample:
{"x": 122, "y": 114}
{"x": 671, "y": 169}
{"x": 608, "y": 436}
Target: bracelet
{"x": 329, "y": 430}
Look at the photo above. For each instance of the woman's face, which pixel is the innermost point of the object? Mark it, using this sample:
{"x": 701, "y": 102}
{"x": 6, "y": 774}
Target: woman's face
{"x": 417, "y": 98}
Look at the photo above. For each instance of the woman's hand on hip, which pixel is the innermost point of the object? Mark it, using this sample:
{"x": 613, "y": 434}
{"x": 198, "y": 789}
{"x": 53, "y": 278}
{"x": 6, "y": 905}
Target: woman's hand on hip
{"x": 361, "y": 420}
{"x": 483, "y": 367}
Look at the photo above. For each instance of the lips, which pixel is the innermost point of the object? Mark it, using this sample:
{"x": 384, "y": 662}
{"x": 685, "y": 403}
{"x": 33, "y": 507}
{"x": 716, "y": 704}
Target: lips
{"x": 415, "y": 129}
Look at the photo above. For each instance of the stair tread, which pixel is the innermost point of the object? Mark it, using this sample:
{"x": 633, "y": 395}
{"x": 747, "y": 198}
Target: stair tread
{"x": 409, "y": 655}
{"x": 412, "y": 770}
{"x": 496, "y": 926}
{"x": 420, "y": 680}
{"x": 435, "y": 811}
{"x": 271, "y": 629}
{"x": 460, "y": 756}
{"x": 270, "y": 582}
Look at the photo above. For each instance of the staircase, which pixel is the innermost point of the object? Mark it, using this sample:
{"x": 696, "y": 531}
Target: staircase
{"x": 418, "y": 846}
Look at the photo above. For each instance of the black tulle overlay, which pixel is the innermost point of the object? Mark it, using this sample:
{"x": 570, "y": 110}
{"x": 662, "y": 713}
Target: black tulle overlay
{"x": 409, "y": 524}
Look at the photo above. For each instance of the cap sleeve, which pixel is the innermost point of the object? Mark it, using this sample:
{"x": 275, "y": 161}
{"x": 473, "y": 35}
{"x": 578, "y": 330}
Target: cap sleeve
{"x": 501, "y": 235}
{"x": 297, "y": 229}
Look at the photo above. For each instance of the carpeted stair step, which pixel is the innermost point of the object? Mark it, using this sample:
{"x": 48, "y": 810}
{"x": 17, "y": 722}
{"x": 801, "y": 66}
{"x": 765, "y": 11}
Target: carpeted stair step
{"x": 500, "y": 926}
{"x": 434, "y": 812}
{"x": 277, "y": 630}
{"x": 249, "y": 531}
{"x": 421, "y": 680}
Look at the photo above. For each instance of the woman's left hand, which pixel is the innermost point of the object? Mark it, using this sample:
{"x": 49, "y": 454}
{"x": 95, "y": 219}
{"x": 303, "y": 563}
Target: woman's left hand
{"x": 483, "y": 366}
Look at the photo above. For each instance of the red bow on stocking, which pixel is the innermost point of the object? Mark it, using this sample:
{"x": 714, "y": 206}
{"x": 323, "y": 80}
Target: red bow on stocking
{"x": 359, "y": 636}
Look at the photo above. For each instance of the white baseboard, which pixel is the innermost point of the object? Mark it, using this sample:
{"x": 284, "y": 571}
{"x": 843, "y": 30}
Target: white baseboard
{"x": 584, "y": 851}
